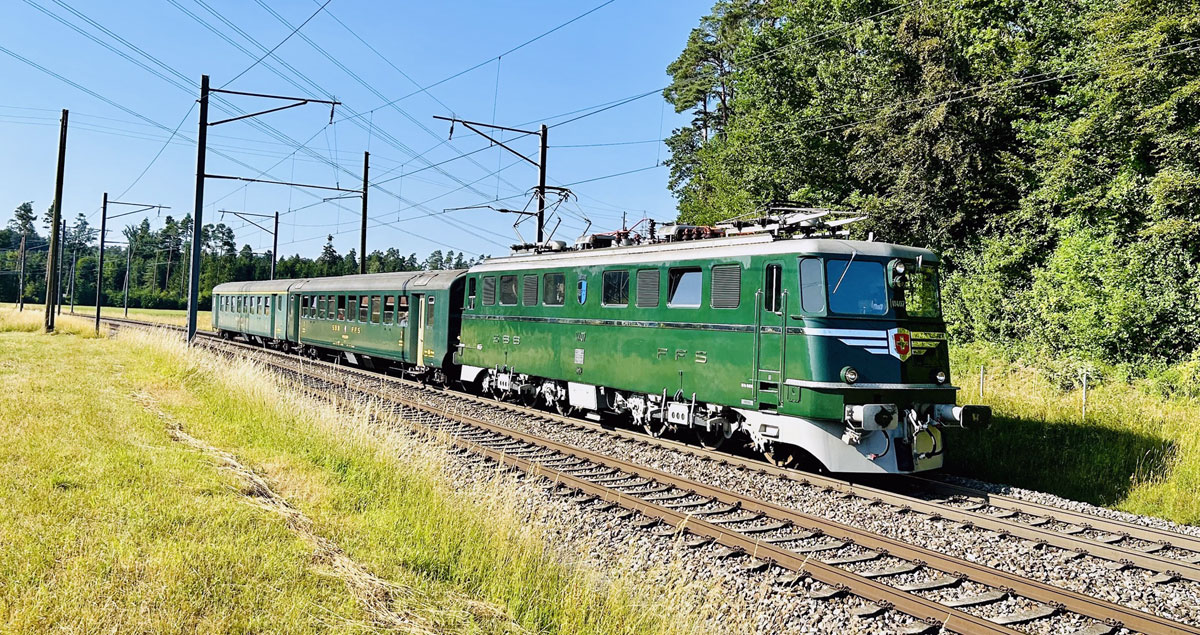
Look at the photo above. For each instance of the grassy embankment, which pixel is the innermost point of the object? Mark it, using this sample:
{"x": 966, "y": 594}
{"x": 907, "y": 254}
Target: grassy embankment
{"x": 118, "y": 513}
{"x": 175, "y": 317}
{"x": 1136, "y": 451}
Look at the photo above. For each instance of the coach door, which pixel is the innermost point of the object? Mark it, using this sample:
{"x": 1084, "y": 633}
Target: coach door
{"x": 772, "y": 313}
{"x": 416, "y": 352}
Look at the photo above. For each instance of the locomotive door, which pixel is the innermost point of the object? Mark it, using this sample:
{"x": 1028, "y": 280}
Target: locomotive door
{"x": 772, "y": 312}
{"x": 417, "y": 352}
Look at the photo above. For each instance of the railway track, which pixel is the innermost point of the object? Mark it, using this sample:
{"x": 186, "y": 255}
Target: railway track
{"x": 843, "y": 557}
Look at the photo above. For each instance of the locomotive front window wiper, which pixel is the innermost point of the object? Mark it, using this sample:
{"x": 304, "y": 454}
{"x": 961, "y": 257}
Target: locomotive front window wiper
{"x": 843, "y": 276}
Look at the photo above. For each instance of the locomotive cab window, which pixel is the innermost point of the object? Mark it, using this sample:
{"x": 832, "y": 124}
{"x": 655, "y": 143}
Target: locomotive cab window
{"x": 684, "y": 287}
{"x": 508, "y": 290}
{"x": 470, "y": 293}
{"x": 615, "y": 290}
{"x": 857, "y": 287}
{"x": 773, "y": 288}
{"x": 389, "y": 308}
{"x": 364, "y": 307}
{"x": 812, "y": 287}
{"x": 554, "y": 289}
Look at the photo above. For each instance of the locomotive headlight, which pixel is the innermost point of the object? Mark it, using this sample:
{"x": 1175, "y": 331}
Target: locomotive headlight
{"x": 899, "y": 268}
{"x": 940, "y": 377}
{"x": 849, "y": 375}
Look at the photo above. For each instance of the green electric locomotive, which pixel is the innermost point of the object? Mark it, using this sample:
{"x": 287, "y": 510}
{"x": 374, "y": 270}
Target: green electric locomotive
{"x": 811, "y": 349}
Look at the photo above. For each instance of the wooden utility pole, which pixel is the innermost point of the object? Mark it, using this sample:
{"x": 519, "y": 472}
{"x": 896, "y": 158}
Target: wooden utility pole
{"x": 56, "y": 216}
{"x": 21, "y": 288}
{"x": 100, "y": 261}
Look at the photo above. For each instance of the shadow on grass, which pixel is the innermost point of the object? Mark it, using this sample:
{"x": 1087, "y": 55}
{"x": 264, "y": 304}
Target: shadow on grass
{"x": 1080, "y": 461}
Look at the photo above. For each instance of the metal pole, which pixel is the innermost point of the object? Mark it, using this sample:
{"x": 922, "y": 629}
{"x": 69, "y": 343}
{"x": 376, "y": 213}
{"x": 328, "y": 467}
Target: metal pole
{"x": 1083, "y": 413}
{"x": 21, "y": 289}
{"x": 128, "y": 254}
{"x": 58, "y": 292}
{"x": 275, "y": 246}
{"x": 55, "y": 219}
{"x": 981, "y": 383}
{"x": 100, "y": 261}
{"x": 541, "y": 214}
{"x": 362, "y": 239}
{"x": 197, "y": 216}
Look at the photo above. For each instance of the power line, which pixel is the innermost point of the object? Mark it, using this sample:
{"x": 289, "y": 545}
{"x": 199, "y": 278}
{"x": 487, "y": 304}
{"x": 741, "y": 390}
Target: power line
{"x": 273, "y": 48}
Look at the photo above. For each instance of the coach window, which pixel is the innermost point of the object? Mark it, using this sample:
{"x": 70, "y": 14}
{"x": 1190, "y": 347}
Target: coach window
{"x": 341, "y": 307}
{"x": 615, "y": 290}
{"x": 554, "y": 289}
{"x": 322, "y": 305}
{"x": 351, "y": 308}
{"x": 402, "y": 311}
{"x": 684, "y": 287}
{"x": 429, "y": 312}
{"x": 508, "y": 290}
{"x": 812, "y": 287}
{"x": 489, "y": 290}
{"x": 470, "y": 293}
{"x": 364, "y": 307}
{"x": 389, "y": 308}
{"x": 582, "y": 288}
{"x": 376, "y": 305}
{"x": 773, "y": 287}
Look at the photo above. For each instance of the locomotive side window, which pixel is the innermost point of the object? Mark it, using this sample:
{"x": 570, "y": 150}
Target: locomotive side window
{"x": 615, "y": 290}
{"x": 554, "y": 289}
{"x": 508, "y": 290}
{"x": 489, "y": 290}
{"x": 773, "y": 288}
{"x": 857, "y": 287}
{"x": 389, "y": 308}
{"x": 812, "y": 287}
{"x": 352, "y": 308}
{"x": 684, "y": 287}
{"x": 529, "y": 290}
{"x": 341, "y": 307}
{"x": 582, "y": 288}
{"x": 647, "y": 288}
{"x": 364, "y": 307}
{"x": 470, "y": 293}
{"x": 376, "y": 305}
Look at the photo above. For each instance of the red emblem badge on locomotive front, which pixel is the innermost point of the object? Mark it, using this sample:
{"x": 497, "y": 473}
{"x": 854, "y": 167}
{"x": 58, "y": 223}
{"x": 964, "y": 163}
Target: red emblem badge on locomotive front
{"x": 901, "y": 344}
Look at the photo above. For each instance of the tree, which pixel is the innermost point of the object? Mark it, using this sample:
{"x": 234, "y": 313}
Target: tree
{"x": 22, "y": 220}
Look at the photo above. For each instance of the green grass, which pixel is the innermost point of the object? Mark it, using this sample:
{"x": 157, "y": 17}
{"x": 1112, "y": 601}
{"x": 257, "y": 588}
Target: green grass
{"x": 175, "y": 317}
{"x": 1137, "y": 450}
{"x": 109, "y": 525}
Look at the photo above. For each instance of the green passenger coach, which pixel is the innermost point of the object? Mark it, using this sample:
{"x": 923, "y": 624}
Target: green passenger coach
{"x": 811, "y": 348}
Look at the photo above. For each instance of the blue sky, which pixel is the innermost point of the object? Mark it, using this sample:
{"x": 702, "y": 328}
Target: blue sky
{"x": 618, "y": 51}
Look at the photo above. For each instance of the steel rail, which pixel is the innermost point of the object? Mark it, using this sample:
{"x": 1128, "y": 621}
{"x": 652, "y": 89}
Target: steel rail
{"x": 1068, "y": 600}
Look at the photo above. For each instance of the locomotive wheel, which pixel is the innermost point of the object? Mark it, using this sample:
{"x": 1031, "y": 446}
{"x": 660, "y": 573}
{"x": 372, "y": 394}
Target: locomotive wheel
{"x": 782, "y": 455}
{"x": 709, "y": 439}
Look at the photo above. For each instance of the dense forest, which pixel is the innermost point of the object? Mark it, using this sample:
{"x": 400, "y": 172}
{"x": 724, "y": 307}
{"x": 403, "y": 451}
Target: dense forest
{"x": 1049, "y": 149}
{"x": 158, "y": 261}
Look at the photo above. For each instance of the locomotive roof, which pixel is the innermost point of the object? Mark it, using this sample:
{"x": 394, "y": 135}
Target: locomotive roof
{"x": 398, "y": 281}
{"x": 730, "y": 247}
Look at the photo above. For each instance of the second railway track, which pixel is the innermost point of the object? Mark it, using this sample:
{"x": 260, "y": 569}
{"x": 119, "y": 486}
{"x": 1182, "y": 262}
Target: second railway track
{"x": 842, "y": 556}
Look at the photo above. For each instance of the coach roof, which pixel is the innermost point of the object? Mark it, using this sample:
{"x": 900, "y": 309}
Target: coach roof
{"x": 254, "y": 288}
{"x": 398, "y": 281}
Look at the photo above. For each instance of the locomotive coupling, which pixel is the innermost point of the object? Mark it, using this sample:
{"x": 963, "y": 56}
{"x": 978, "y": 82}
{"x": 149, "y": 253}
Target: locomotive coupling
{"x": 873, "y": 416}
{"x": 976, "y": 417}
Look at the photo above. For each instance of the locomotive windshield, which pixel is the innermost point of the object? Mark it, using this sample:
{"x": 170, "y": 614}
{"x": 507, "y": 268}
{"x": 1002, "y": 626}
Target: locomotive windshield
{"x": 856, "y": 287}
